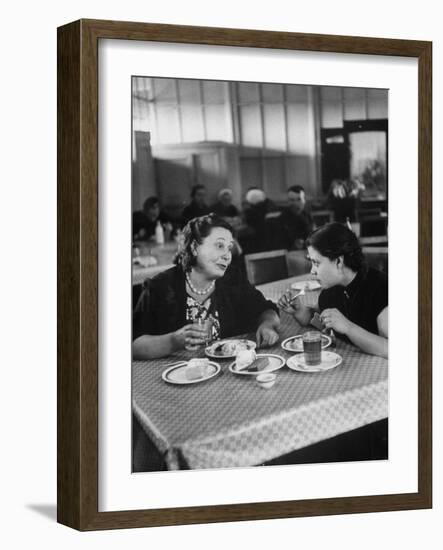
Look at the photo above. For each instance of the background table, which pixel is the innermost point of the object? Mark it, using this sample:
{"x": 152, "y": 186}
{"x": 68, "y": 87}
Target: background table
{"x": 164, "y": 255}
{"x": 230, "y": 421}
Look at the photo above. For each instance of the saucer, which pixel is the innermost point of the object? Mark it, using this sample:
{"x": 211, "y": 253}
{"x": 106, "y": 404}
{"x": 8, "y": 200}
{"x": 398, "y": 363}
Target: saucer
{"x": 329, "y": 360}
{"x": 309, "y": 284}
{"x": 295, "y": 343}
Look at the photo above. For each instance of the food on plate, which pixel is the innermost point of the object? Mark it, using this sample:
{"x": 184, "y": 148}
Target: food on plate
{"x": 248, "y": 360}
{"x": 230, "y": 348}
{"x": 259, "y": 365}
{"x": 245, "y": 358}
{"x": 308, "y": 285}
{"x": 296, "y": 344}
{"x": 197, "y": 368}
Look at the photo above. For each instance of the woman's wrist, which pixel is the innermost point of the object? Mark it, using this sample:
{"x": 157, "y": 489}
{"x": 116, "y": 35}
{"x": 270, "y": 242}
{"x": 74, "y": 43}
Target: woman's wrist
{"x": 270, "y": 319}
{"x": 349, "y": 326}
{"x": 175, "y": 341}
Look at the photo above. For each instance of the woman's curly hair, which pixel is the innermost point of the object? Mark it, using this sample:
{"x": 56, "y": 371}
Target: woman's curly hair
{"x": 193, "y": 234}
{"x": 334, "y": 240}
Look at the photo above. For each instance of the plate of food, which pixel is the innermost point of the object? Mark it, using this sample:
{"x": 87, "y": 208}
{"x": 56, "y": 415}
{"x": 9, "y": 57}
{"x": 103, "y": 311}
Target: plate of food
{"x": 294, "y": 344}
{"x": 329, "y": 360}
{"x": 229, "y": 348}
{"x": 309, "y": 284}
{"x": 191, "y": 372}
{"x": 250, "y": 363}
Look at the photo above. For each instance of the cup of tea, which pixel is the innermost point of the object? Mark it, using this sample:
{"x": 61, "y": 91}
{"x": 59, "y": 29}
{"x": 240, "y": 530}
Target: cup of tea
{"x": 312, "y": 347}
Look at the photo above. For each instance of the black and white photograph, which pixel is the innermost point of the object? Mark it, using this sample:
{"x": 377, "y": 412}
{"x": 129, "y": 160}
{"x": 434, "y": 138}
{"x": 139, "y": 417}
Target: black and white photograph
{"x": 183, "y": 366}
{"x": 259, "y": 274}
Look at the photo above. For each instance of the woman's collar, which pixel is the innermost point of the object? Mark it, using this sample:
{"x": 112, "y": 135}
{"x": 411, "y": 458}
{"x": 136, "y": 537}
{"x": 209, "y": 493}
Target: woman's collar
{"x": 356, "y": 281}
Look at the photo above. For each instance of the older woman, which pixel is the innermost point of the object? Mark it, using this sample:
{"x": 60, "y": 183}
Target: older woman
{"x": 354, "y": 298}
{"x": 200, "y": 286}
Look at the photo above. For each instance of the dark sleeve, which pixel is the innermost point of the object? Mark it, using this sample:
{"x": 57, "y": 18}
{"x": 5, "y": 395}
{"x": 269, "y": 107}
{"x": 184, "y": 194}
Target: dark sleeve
{"x": 186, "y": 216}
{"x": 379, "y": 299}
{"x": 138, "y": 222}
{"x": 310, "y": 223}
{"x": 143, "y": 312}
{"x": 328, "y": 298}
{"x": 253, "y": 303}
{"x": 322, "y": 301}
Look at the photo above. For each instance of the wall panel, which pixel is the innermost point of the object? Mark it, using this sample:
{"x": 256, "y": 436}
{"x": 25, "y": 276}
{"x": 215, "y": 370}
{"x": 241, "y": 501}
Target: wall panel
{"x": 355, "y": 107}
{"x": 377, "y": 103}
{"x": 331, "y": 107}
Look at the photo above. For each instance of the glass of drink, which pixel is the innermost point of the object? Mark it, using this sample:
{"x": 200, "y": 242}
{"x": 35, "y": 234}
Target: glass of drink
{"x": 312, "y": 347}
{"x": 205, "y": 326}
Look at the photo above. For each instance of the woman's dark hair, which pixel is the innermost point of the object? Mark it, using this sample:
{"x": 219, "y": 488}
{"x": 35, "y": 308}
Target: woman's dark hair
{"x": 296, "y": 189}
{"x": 193, "y": 234}
{"x": 150, "y": 202}
{"x": 334, "y": 240}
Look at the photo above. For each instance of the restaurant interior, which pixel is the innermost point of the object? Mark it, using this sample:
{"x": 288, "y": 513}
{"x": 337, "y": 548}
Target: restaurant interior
{"x": 245, "y": 137}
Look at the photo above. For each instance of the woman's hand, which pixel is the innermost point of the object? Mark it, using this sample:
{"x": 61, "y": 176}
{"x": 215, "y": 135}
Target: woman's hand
{"x": 289, "y": 302}
{"x": 266, "y": 335}
{"x": 333, "y": 318}
{"x": 188, "y": 335}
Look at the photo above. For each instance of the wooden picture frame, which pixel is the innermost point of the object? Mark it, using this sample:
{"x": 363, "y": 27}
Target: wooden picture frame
{"x": 78, "y": 274}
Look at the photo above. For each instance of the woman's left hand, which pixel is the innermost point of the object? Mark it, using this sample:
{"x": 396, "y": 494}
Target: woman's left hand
{"x": 266, "y": 335}
{"x": 333, "y": 318}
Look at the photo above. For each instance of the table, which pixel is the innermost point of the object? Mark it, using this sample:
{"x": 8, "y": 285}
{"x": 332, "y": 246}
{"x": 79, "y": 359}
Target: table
{"x": 229, "y": 421}
{"x": 164, "y": 255}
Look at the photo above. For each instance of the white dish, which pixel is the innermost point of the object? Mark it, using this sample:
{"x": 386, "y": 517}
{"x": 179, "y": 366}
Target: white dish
{"x": 266, "y": 380}
{"x": 211, "y": 351}
{"x": 329, "y": 360}
{"x": 265, "y": 362}
{"x": 184, "y": 373}
{"x": 309, "y": 284}
{"x": 294, "y": 344}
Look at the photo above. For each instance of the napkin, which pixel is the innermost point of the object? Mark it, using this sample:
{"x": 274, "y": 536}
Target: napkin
{"x": 317, "y": 322}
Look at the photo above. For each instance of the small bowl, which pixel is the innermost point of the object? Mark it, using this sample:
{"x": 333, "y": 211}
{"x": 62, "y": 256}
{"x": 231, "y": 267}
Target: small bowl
{"x": 266, "y": 380}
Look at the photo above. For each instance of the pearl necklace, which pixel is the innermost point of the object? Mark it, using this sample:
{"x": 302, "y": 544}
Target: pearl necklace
{"x": 199, "y": 292}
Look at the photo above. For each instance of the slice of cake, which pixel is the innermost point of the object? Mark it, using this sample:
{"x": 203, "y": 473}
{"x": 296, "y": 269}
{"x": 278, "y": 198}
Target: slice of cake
{"x": 197, "y": 369}
{"x": 245, "y": 358}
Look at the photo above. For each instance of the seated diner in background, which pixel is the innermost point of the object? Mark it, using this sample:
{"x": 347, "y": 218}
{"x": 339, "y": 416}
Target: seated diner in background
{"x": 197, "y": 207}
{"x": 354, "y": 298}
{"x": 226, "y": 209}
{"x": 257, "y": 209}
{"x": 144, "y": 222}
{"x": 343, "y": 199}
{"x": 201, "y": 286}
{"x": 295, "y": 220}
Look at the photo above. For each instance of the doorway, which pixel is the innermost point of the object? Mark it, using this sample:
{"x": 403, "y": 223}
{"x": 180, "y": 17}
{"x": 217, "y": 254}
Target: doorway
{"x": 359, "y": 150}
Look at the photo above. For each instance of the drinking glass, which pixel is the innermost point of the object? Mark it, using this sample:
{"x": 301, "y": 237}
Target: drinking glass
{"x": 204, "y": 325}
{"x": 312, "y": 347}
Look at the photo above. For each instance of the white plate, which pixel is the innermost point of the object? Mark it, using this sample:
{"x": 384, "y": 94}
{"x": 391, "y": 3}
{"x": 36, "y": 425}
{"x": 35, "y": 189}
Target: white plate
{"x": 274, "y": 362}
{"x": 329, "y": 360}
{"x": 184, "y": 374}
{"x": 309, "y": 284}
{"x": 294, "y": 344}
{"x": 211, "y": 350}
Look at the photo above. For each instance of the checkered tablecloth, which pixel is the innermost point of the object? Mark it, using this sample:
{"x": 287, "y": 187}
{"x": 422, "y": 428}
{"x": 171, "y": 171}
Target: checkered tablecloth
{"x": 273, "y": 291}
{"x": 230, "y": 421}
